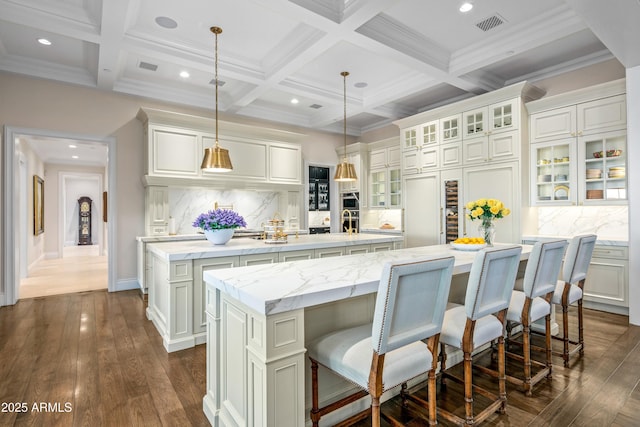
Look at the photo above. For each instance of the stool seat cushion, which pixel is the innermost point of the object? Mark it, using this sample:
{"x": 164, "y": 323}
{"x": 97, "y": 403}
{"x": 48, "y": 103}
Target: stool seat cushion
{"x": 487, "y": 328}
{"x": 575, "y": 293}
{"x": 349, "y": 353}
{"x": 539, "y": 308}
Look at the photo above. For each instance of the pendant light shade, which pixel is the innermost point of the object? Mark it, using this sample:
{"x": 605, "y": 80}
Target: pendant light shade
{"x": 216, "y": 158}
{"x": 345, "y": 171}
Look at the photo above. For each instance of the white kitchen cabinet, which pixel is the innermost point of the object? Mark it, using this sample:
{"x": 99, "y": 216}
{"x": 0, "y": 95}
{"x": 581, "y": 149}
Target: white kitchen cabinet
{"x": 422, "y": 215}
{"x": 285, "y": 163}
{"x": 295, "y": 255}
{"x": 258, "y": 259}
{"x": 495, "y": 118}
{"x": 200, "y": 289}
{"x": 502, "y": 182}
{"x": 602, "y": 168}
{"x": 157, "y": 210}
{"x": 608, "y": 278}
{"x": 421, "y": 160}
{"x": 581, "y": 119}
{"x": 491, "y": 148}
{"x": 248, "y": 158}
{"x": 554, "y": 173}
{"x": 328, "y": 252}
{"x": 173, "y": 152}
{"x": 451, "y": 129}
{"x": 357, "y": 249}
{"x": 451, "y": 155}
{"x": 386, "y": 188}
{"x": 384, "y": 157}
{"x": 382, "y": 247}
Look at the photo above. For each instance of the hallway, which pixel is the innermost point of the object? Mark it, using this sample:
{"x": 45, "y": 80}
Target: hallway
{"x": 77, "y": 272}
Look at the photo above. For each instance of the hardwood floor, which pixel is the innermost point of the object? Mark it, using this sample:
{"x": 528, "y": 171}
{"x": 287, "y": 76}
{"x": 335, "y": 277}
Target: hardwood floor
{"x": 98, "y": 354}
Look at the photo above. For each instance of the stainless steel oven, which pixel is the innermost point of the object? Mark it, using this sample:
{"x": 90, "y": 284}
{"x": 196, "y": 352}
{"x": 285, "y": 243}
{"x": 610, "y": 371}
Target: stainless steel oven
{"x": 351, "y": 202}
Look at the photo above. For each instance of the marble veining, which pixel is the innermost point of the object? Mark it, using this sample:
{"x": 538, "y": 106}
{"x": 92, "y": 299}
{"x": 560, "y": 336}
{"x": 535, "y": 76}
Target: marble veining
{"x": 374, "y": 218}
{"x": 607, "y": 222}
{"x": 185, "y": 204}
{"x": 287, "y": 286}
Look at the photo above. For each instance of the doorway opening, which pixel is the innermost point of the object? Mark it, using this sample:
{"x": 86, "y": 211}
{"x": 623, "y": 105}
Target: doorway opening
{"x": 46, "y": 258}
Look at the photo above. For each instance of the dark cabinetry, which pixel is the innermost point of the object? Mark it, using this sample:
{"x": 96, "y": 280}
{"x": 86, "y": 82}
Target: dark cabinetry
{"x": 318, "y": 188}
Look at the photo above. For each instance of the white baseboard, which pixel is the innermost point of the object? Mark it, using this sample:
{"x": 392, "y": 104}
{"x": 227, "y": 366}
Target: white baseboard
{"x": 126, "y": 285}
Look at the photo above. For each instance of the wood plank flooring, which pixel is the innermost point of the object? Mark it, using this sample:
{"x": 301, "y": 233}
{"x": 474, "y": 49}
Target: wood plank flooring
{"x": 96, "y": 360}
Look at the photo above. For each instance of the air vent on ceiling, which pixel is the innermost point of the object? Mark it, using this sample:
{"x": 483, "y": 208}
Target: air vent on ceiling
{"x": 490, "y": 22}
{"x": 315, "y": 106}
{"x": 147, "y": 66}
{"x": 220, "y": 82}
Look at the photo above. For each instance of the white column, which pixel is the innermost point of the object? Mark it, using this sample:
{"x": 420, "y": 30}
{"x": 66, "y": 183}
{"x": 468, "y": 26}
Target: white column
{"x": 633, "y": 180}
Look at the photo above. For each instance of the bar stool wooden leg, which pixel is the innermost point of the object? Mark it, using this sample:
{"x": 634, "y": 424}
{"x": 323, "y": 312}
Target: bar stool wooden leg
{"x": 468, "y": 388}
{"x": 565, "y": 334}
{"x": 526, "y": 352}
{"x": 502, "y": 380}
{"x": 315, "y": 412}
{"x": 580, "y": 328}
{"x": 547, "y": 340}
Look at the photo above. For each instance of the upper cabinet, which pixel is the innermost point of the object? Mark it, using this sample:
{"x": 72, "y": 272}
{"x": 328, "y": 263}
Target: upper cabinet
{"x": 579, "y": 147}
{"x": 495, "y": 118}
{"x": 175, "y": 145}
{"x": 384, "y": 174}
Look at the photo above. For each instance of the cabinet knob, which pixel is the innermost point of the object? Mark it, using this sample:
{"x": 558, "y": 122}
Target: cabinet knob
{"x": 573, "y": 134}
{"x": 579, "y": 133}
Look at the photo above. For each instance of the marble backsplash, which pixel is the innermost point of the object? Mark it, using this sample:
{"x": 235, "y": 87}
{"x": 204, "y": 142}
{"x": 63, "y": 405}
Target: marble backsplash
{"x": 374, "y": 218}
{"x": 185, "y": 204}
{"x": 605, "y": 221}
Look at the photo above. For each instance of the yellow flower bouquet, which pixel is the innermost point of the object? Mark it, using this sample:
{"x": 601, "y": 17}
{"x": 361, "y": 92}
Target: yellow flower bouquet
{"x": 486, "y": 210}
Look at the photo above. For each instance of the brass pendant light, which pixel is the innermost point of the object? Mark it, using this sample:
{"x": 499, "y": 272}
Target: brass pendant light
{"x": 216, "y": 159}
{"x": 345, "y": 171}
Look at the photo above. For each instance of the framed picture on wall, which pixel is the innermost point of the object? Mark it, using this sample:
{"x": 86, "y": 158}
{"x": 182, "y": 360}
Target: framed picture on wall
{"x": 38, "y": 205}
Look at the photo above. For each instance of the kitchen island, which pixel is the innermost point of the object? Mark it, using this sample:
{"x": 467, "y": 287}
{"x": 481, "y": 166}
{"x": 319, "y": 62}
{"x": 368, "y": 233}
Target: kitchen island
{"x": 176, "y": 302}
{"x": 259, "y": 319}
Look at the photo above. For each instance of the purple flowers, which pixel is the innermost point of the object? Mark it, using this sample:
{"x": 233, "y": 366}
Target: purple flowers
{"x": 218, "y": 219}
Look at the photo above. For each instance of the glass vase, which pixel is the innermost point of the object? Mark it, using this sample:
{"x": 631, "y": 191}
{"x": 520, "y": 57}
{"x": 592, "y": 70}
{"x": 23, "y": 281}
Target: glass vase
{"x": 487, "y": 231}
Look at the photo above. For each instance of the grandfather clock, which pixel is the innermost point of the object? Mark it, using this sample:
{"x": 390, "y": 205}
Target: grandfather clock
{"x": 84, "y": 226}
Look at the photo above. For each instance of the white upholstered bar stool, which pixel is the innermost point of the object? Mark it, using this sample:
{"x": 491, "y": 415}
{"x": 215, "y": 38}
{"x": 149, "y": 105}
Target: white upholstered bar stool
{"x": 401, "y": 344}
{"x": 533, "y": 303}
{"x": 569, "y": 290}
{"x": 480, "y": 321}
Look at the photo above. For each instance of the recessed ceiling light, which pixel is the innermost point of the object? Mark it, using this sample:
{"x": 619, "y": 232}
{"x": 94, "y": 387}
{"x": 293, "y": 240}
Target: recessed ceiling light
{"x": 294, "y": 101}
{"x": 184, "y": 74}
{"x": 44, "y": 41}
{"x": 166, "y": 22}
{"x": 466, "y": 7}
{"x": 74, "y": 157}
{"x": 72, "y": 146}
{"x": 360, "y": 85}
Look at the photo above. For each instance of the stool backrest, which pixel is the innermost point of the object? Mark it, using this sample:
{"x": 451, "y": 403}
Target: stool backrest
{"x": 491, "y": 281}
{"x": 543, "y": 268}
{"x": 578, "y": 257}
{"x": 412, "y": 298}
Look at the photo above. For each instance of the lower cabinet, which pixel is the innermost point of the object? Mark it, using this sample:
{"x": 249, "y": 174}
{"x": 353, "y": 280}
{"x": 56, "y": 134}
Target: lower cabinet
{"x": 258, "y": 259}
{"x": 295, "y": 255}
{"x": 200, "y": 288}
{"x": 607, "y": 281}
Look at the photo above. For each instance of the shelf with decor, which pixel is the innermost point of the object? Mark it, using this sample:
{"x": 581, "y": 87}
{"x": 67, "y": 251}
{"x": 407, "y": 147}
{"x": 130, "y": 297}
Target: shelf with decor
{"x": 553, "y": 178}
{"x": 603, "y": 166}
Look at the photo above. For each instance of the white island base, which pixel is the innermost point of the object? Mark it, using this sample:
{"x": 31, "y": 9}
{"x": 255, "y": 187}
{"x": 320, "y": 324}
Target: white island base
{"x": 259, "y": 319}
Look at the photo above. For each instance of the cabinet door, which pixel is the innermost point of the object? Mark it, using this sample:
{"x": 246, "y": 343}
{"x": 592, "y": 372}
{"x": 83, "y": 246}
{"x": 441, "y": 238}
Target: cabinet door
{"x": 249, "y": 159}
{"x": 500, "y": 182}
{"x": 295, "y": 255}
{"x": 328, "y": 252}
{"x": 553, "y": 124}
{"x": 475, "y": 123}
{"x": 378, "y": 158}
{"x": 379, "y": 188}
{"x": 410, "y": 138}
{"x": 607, "y": 277}
{"x": 422, "y": 210}
{"x": 174, "y": 152}
{"x": 393, "y": 156}
{"x": 258, "y": 259}
{"x": 357, "y": 249}
{"x": 553, "y": 173}
{"x": 395, "y": 188}
{"x": 451, "y": 155}
{"x": 200, "y": 288}
{"x": 285, "y": 163}
{"x": 428, "y": 158}
{"x": 475, "y": 150}
{"x": 429, "y": 133}
{"x": 451, "y": 129}
{"x": 382, "y": 247}
{"x": 602, "y": 168}
{"x": 504, "y": 116}
{"x": 504, "y": 146}
{"x": 157, "y": 210}
{"x": 410, "y": 162}
{"x": 602, "y": 115}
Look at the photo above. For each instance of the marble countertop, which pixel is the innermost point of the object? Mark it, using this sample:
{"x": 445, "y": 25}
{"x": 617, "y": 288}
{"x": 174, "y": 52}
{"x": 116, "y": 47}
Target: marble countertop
{"x": 395, "y": 231}
{"x": 602, "y": 240}
{"x": 287, "y": 286}
{"x": 198, "y": 249}
{"x": 198, "y": 236}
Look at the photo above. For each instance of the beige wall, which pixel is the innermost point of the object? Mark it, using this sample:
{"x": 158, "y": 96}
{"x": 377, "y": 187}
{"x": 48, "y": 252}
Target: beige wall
{"x": 41, "y": 104}
{"x": 35, "y": 244}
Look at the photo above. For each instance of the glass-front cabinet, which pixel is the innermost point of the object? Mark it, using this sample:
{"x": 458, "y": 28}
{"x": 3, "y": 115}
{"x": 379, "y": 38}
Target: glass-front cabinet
{"x": 499, "y": 117}
{"x": 554, "y": 179}
{"x": 603, "y": 165}
{"x": 386, "y": 186}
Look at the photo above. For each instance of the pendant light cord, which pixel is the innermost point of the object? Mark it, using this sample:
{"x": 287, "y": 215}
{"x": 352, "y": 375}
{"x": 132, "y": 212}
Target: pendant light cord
{"x": 344, "y": 122}
{"x": 216, "y": 31}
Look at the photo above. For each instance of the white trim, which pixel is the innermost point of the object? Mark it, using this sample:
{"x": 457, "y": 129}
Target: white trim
{"x": 10, "y": 286}
{"x": 125, "y": 285}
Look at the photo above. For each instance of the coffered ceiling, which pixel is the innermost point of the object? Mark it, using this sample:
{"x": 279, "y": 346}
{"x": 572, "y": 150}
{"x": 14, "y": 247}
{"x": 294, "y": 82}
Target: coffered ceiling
{"x": 404, "y": 56}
